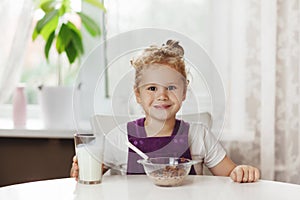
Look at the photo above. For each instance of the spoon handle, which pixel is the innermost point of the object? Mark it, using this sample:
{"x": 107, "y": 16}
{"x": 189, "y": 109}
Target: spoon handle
{"x": 131, "y": 146}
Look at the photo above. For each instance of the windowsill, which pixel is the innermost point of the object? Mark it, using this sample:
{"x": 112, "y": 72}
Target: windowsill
{"x": 34, "y": 125}
{"x": 34, "y": 129}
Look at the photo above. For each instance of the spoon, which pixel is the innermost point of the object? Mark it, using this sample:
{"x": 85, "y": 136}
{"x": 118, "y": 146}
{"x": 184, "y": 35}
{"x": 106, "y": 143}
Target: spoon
{"x": 136, "y": 150}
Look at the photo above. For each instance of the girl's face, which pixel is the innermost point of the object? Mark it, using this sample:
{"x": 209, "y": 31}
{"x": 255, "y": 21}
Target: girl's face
{"x": 161, "y": 92}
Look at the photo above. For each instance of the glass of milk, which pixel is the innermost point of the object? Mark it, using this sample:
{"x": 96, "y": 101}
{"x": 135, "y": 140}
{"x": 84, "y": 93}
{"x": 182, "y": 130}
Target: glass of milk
{"x": 89, "y": 152}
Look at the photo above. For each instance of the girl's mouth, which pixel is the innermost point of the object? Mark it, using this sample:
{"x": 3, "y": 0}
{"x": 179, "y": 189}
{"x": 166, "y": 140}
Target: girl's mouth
{"x": 162, "y": 107}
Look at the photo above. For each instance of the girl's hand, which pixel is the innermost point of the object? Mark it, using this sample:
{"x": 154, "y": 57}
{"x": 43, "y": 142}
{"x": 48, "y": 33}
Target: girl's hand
{"x": 244, "y": 174}
{"x": 75, "y": 169}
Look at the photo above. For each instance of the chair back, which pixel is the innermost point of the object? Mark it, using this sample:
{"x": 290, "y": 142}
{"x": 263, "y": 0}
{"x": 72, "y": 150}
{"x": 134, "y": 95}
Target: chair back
{"x": 105, "y": 123}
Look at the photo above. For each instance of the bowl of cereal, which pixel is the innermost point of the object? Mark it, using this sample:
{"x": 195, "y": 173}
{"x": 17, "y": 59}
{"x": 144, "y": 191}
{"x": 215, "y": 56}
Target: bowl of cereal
{"x": 167, "y": 171}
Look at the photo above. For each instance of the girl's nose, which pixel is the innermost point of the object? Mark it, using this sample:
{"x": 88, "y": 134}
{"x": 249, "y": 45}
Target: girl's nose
{"x": 162, "y": 94}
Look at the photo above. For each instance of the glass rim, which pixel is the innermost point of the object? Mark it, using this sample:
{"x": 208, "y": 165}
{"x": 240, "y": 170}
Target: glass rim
{"x": 84, "y": 135}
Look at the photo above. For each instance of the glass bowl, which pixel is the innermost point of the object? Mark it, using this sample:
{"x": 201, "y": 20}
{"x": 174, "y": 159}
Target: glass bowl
{"x": 167, "y": 171}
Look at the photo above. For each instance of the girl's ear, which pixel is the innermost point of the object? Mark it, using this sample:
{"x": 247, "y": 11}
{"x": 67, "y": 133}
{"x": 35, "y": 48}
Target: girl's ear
{"x": 185, "y": 90}
{"x": 184, "y": 95}
{"x": 137, "y": 95}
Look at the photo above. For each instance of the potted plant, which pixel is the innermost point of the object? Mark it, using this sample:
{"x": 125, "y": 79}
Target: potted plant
{"x": 59, "y": 32}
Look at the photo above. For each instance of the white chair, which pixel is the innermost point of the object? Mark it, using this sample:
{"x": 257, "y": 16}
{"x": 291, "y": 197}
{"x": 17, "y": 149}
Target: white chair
{"x": 105, "y": 123}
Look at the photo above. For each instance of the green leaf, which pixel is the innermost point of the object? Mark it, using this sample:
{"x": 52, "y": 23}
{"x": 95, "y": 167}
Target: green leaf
{"x": 69, "y": 40}
{"x": 65, "y": 8}
{"x": 48, "y": 5}
{"x": 73, "y": 28}
{"x": 49, "y": 28}
{"x": 46, "y": 26}
{"x": 71, "y": 52}
{"x": 34, "y": 34}
{"x": 49, "y": 44}
{"x": 63, "y": 38}
{"x": 77, "y": 42}
{"x": 90, "y": 25}
{"x": 76, "y": 37}
{"x": 46, "y": 19}
{"x": 96, "y": 3}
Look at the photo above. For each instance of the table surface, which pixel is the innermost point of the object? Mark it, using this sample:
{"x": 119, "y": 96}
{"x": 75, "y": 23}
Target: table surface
{"x": 140, "y": 187}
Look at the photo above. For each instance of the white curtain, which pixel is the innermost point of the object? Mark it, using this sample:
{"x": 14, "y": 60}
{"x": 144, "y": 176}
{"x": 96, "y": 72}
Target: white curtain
{"x": 256, "y": 46}
{"x": 15, "y": 22}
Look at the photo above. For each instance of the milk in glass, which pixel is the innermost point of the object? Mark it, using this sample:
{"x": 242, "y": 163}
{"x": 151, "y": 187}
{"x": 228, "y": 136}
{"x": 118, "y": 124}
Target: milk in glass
{"x": 90, "y": 156}
{"x": 89, "y": 163}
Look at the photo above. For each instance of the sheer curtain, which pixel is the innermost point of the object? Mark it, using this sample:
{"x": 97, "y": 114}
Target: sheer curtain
{"x": 15, "y": 22}
{"x": 258, "y": 56}
{"x": 287, "y": 107}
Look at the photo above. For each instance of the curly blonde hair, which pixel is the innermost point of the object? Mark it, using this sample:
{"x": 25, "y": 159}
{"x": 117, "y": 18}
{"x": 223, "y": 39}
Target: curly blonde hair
{"x": 170, "y": 54}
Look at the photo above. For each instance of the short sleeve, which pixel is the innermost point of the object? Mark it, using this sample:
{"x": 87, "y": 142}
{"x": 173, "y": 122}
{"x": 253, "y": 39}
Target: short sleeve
{"x": 205, "y": 146}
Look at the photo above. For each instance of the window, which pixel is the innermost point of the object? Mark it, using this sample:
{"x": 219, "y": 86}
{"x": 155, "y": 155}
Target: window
{"x": 121, "y": 16}
{"x": 17, "y": 43}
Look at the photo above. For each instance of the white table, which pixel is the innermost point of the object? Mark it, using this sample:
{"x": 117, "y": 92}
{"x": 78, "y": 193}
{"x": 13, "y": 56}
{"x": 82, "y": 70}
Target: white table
{"x": 141, "y": 188}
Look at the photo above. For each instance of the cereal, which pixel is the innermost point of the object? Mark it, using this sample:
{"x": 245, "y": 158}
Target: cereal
{"x": 167, "y": 171}
{"x": 168, "y": 176}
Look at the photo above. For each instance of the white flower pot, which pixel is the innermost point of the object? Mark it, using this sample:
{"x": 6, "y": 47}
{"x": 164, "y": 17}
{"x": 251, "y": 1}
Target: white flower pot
{"x": 57, "y": 107}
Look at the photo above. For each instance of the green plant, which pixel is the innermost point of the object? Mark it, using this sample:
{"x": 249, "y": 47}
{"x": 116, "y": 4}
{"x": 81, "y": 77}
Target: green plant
{"x": 56, "y": 27}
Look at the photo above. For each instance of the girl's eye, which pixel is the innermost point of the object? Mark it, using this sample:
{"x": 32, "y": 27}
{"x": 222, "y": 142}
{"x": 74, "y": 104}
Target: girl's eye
{"x": 152, "y": 88}
{"x": 171, "y": 87}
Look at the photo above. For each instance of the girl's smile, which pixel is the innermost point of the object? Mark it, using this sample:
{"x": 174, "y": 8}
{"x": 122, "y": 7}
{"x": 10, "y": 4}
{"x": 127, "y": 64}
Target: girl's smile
{"x": 162, "y": 107}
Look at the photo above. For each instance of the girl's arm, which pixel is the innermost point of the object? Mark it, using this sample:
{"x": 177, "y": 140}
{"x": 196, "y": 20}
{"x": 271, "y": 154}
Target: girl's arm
{"x": 74, "y": 172}
{"x": 238, "y": 173}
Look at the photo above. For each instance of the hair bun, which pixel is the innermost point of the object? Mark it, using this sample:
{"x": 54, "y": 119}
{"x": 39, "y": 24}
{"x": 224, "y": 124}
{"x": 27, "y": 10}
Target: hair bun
{"x": 173, "y": 48}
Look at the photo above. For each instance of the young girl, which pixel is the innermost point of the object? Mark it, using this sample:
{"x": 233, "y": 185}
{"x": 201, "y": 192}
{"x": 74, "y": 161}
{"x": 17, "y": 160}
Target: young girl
{"x": 160, "y": 88}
